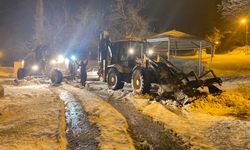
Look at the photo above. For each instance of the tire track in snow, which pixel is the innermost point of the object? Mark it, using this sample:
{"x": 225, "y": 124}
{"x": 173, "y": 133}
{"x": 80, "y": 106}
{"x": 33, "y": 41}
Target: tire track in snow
{"x": 146, "y": 133}
{"x": 80, "y": 134}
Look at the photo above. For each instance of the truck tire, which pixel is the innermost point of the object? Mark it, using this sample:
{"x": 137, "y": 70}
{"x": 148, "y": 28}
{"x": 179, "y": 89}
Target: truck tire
{"x": 21, "y": 73}
{"x": 56, "y": 76}
{"x": 115, "y": 79}
{"x": 140, "y": 82}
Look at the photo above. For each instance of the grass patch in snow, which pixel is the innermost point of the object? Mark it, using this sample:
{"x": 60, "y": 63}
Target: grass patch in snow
{"x": 225, "y": 104}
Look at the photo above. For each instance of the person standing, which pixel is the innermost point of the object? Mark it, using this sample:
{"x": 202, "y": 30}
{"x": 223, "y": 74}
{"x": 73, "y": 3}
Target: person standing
{"x": 72, "y": 69}
{"x": 83, "y": 72}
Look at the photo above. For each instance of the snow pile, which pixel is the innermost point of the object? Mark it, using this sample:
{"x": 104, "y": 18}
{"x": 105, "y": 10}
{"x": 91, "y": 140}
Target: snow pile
{"x": 230, "y": 134}
{"x": 30, "y": 81}
{"x": 245, "y": 50}
{"x": 225, "y": 104}
{"x": 202, "y": 130}
{"x": 31, "y": 117}
{"x": 181, "y": 126}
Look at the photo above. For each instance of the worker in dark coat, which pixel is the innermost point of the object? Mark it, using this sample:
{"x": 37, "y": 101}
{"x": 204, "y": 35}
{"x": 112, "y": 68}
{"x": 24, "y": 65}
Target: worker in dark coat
{"x": 72, "y": 69}
{"x": 83, "y": 72}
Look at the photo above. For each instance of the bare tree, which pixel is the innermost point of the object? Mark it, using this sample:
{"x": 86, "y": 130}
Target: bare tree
{"x": 215, "y": 36}
{"x": 64, "y": 30}
{"x": 124, "y": 19}
{"x": 38, "y": 37}
{"x": 233, "y": 9}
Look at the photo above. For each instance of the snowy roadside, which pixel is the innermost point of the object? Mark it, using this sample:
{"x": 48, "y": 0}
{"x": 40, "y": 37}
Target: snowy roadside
{"x": 204, "y": 131}
{"x": 112, "y": 125}
{"x": 201, "y": 129}
{"x": 208, "y": 123}
{"x": 31, "y": 117}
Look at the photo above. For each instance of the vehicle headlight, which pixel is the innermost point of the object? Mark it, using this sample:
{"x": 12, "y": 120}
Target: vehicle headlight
{"x": 73, "y": 57}
{"x": 35, "y": 67}
{"x": 53, "y": 62}
{"x": 66, "y": 61}
{"x": 131, "y": 51}
{"x": 60, "y": 59}
{"x": 150, "y": 52}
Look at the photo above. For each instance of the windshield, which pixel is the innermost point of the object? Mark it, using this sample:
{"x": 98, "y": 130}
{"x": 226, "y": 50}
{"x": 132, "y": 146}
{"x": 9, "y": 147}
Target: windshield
{"x": 136, "y": 48}
{"x": 126, "y": 52}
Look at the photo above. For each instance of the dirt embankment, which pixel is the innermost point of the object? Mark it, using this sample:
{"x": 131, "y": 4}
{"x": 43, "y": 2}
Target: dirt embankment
{"x": 31, "y": 117}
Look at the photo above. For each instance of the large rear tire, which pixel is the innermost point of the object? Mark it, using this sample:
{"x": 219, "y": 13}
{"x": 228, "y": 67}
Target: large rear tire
{"x": 140, "y": 82}
{"x": 115, "y": 79}
{"x": 21, "y": 73}
{"x": 56, "y": 76}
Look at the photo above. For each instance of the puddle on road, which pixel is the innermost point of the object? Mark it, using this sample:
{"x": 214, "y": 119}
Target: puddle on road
{"x": 80, "y": 134}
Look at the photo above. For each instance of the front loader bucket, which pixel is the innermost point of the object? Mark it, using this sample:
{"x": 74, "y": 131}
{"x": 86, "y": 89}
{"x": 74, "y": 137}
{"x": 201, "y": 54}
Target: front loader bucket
{"x": 209, "y": 82}
{"x": 188, "y": 83}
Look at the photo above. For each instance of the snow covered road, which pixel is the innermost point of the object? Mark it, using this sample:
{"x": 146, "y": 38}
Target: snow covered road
{"x": 80, "y": 133}
{"x": 201, "y": 130}
{"x": 35, "y": 115}
{"x": 31, "y": 117}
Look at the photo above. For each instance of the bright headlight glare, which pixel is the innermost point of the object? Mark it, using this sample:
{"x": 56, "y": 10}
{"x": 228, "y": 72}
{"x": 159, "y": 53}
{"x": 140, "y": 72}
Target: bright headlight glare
{"x": 73, "y": 57}
{"x": 150, "y": 52}
{"x": 35, "y": 67}
{"x": 66, "y": 61}
{"x": 53, "y": 61}
{"x": 60, "y": 59}
{"x": 131, "y": 51}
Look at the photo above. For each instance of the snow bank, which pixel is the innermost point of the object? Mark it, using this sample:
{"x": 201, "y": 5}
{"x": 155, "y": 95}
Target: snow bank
{"x": 235, "y": 101}
{"x": 203, "y": 131}
{"x": 173, "y": 120}
{"x": 245, "y": 50}
{"x": 225, "y": 104}
{"x": 112, "y": 125}
{"x": 31, "y": 117}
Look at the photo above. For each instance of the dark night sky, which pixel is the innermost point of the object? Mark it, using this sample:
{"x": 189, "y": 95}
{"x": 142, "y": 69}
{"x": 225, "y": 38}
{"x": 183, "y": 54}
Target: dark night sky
{"x": 192, "y": 16}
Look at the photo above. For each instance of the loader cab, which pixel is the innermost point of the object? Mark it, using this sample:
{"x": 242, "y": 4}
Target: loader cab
{"x": 125, "y": 53}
